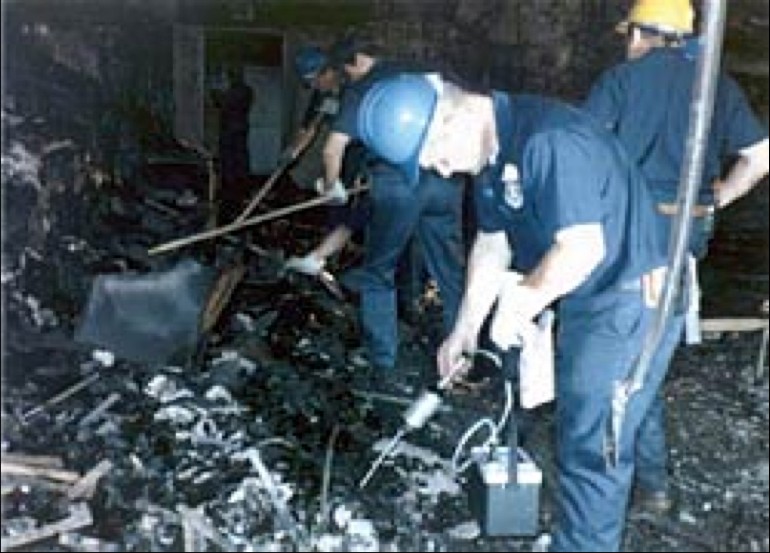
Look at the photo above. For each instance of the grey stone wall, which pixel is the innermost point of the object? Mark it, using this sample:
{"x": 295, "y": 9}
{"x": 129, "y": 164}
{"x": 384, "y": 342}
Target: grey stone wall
{"x": 554, "y": 47}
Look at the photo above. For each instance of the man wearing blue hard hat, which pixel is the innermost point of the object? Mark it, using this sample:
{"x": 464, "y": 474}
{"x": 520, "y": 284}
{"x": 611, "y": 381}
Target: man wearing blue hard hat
{"x": 423, "y": 204}
{"x": 312, "y": 66}
{"x": 646, "y": 101}
{"x": 317, "y": 72}
{"x": 562, "y": 214}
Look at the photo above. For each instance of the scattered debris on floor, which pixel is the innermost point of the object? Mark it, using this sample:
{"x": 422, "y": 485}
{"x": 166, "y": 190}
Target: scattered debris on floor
{"x": 256, "y": 438}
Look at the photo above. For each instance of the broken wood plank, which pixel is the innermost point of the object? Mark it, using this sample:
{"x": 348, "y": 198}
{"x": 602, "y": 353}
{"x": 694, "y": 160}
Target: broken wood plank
{"x": 61, "y": 475}
{"x": 100, "y": 409}
{"x": 734, "y": 324}
{"x": 75, "y": 388}
{"x": 79, "y": 517}
{"x": 197, "y": 529}
{"x": 50, "y": 461}
{"x": 13, "y": 482}
{"x": 78, "y": 542}
{"x": 285, "y": 517}
{"x": 85, "y": 487}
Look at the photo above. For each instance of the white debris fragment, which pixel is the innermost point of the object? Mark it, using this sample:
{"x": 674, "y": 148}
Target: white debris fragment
{"x": 342, "y": 515}
{"x": 219, "y": 393}
{"x": 175, "y": 414}
{"x": 7, "y": 276}
{"x": 361, "y": 536}
{"x": 242, "y": 492}
{"x": 434, "y": 483}
{"x": 232, "y": 356}
{"x": 105, "y": 357}
{"x": 41, "y": 316}
{"x": 165, "y": 390}
{"x": 246, "y": 322}
{"x": 465, "y": 531}
{"x": 542, "y": 543}
{"x": 329, "y": 543}
{"x": 20, "y": 166}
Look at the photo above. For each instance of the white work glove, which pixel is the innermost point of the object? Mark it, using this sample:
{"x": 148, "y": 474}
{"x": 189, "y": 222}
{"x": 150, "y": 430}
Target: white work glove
{"x": 330, "y": 105}
{"x": 337, "y": 193}
{"x": 309, "y": 264}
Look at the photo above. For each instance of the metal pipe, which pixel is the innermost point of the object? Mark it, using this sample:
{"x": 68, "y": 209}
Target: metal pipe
{"x": 701, "y": 111}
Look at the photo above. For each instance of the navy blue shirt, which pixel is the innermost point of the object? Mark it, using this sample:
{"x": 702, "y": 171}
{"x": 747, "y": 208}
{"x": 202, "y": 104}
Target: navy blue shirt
{"x": 571, "y": 172}
{"x": 646, "y": 102}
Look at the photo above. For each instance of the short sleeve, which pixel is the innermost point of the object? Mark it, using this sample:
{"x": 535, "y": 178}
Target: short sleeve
{"x": 346, "y": 120}
{"x": 742, "y": 127}
{"x": 565, "y": 175}
{"x": 486, "y": 202}
{"x": 603, "y": 101}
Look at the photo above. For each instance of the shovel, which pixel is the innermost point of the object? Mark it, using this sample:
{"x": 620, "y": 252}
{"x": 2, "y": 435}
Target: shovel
{"x": 232, "y": 227}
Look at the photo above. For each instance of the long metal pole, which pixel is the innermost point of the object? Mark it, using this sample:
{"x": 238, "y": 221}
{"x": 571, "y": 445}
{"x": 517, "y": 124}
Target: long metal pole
{"x": 701, "y": 111}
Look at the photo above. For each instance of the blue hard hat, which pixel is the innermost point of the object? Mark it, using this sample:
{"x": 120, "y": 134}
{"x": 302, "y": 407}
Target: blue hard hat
{"x": 393, "y": 120}
{"x": 309, "y": 61}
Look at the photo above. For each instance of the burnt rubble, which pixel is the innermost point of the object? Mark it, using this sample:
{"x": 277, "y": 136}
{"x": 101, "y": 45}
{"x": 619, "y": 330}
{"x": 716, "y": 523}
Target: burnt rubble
{"x": 257, "y": 440}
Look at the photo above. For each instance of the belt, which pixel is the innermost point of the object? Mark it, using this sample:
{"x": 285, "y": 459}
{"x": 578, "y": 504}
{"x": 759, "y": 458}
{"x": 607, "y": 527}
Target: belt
{"x": 697, "y": 210}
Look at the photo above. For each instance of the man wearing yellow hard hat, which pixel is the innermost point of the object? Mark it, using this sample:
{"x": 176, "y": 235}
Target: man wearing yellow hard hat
{"x": 646, "y": 101}
{"x": 669, "y": 16}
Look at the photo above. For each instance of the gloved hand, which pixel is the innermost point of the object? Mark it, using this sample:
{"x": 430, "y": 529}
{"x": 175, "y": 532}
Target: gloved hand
{"x": 337, "y": 193}
{"x": 330, "y": 105}
{"x": 451, "y": 358}
{"x": 514, "y": 314}
{"x": 309, "y": 264}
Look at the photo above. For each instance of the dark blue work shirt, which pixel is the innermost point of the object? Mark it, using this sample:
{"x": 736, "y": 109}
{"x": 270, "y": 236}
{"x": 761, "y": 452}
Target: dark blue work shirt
{"x": 646, "y": 102}
{"x": 571, "y": 172}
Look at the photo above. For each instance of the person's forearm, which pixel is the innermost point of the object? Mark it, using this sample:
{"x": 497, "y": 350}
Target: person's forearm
{"x": 333, "y": 153}
{"x": 576, "y": 252}
{"x": 487, "y": 264}
{"x": 748, "y": 170}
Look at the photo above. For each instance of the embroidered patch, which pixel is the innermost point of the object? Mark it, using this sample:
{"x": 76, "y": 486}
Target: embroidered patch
{"x": 513, "y": 194}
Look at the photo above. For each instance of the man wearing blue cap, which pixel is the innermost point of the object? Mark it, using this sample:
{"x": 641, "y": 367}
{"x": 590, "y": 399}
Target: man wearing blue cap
{"x": 402, "y": 205}
{"x": 562, "y": 214}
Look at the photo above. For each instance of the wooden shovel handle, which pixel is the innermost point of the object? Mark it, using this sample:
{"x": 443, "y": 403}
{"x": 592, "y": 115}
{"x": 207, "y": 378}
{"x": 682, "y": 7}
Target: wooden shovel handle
{"x": 232, "y": 227}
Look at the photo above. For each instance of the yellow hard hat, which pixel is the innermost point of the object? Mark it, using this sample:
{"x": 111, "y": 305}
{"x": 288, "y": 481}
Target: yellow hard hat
{"x": 667, "y": 16}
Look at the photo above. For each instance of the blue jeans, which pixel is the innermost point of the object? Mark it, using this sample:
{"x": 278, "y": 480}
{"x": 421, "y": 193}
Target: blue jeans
{"x": 598, "y": 345}
{"x": 431, "y": 210}
{"x": 651, "y": 449}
